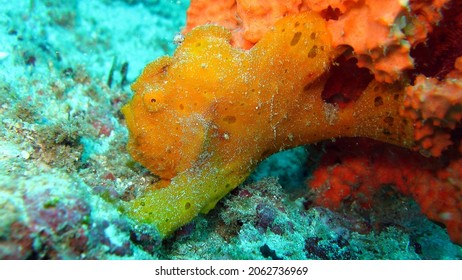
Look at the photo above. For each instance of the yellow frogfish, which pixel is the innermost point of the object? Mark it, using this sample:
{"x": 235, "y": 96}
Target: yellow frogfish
{"x": 204, "y": 118}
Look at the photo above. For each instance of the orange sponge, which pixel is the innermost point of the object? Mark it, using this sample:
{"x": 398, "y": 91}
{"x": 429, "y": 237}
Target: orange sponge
{"x": 436, "y": 109}
{"x": 248, "y": 20}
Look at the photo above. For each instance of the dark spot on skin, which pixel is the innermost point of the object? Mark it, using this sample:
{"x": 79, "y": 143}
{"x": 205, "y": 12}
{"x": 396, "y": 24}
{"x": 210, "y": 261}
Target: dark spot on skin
{"x": 313, "y": 52}
{"x": 153, "y": 100}
{"x": 388, "y": 120}
{"x": 181, "y": 106}
{"x": 229, "y": 119}
{"x": 296, "y": 38}
{"x": 378, "y": 101}
{"x": 396, "y": 96}
{"x": 296, "y": 24}
{"x": 313, "y": 35}
{"x": 187, "y": 205}
{"x": 386, "y": 132}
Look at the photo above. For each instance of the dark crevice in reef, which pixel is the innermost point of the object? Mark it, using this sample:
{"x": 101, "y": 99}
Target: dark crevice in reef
{"x": 436, "y": 56}
{"x": 346, "y": 82}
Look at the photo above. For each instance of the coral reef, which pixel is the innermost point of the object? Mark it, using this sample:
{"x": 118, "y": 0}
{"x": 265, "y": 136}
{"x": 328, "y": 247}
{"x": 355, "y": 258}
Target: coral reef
{"x": 193, "y": 114}
{"x": 436, "y": 109}
{"x": 264, "y": 221}
{"x": 355, "y": 170}
{"x": 436, "y": 55}
{"x": 434, "y": 105}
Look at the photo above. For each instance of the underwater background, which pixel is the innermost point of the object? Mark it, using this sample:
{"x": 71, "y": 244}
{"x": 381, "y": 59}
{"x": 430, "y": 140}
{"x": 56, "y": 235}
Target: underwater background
{"x": 65, "y": 72}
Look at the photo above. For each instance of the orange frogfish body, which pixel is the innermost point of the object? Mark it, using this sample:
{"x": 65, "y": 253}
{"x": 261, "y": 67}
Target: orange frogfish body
{"x": 202, "y": 119}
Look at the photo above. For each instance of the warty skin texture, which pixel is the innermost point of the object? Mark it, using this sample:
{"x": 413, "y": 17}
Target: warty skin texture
{"x": 204, "y": 118}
